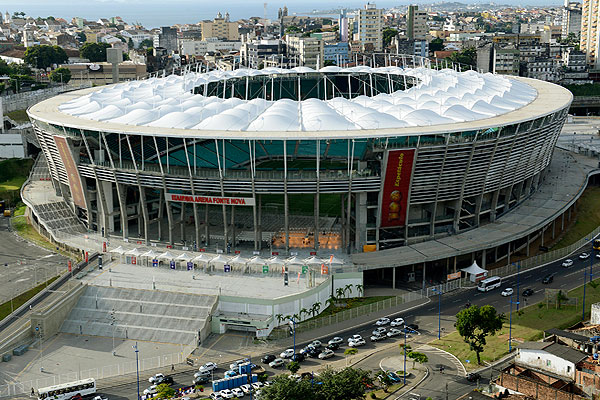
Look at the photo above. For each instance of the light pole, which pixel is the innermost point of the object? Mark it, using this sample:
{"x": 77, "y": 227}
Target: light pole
{"x": 292, "y": 320}
{"x": 510, "y": 325}
{"x": 518, "y": 265}
{"x": 405, "y": 354}
{"x": 137, "y": 368}
{"x": 439, "y": 292}
{"x": 112, "y": 322}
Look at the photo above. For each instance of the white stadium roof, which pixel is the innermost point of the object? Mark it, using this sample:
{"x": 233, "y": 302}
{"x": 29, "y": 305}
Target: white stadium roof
{"x": 439, "y": 97}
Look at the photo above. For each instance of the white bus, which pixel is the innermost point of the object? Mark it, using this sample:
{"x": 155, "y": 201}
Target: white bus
{"x": 67, "y": 391}
{"x": 489, "y": 284}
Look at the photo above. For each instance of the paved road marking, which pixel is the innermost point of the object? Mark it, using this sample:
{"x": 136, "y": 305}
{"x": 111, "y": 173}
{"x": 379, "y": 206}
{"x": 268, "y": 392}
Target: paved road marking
{"x": 431, "y": 309}
{"x": 573, "y": 273}
{"x": 460, "y": 368}
{"x": 457, "y": 300}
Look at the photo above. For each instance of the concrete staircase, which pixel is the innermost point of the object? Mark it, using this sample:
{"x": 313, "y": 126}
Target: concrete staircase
{"x": 150, "y": 315}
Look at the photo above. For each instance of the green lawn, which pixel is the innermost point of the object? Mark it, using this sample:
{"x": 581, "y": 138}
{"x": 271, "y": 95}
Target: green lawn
{"x": 588, "y": 218}
{"x": 5, "y": 308}
{"x": 18, "y": 116}
{"x": 528, "y": 325}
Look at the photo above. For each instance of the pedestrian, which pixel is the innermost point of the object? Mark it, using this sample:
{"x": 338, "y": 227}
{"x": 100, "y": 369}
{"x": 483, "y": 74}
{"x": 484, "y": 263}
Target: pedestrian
{"x": 172, "y": 367}
{"x": 30, "y": 307}
{"x": 32, "y": 392}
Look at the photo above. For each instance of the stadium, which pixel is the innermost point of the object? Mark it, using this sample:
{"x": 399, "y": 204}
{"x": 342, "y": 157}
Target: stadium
{"x": 339, "y": 160}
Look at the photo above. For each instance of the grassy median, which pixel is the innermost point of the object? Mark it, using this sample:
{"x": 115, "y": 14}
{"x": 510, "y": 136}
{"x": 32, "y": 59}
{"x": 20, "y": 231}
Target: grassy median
{"x": 587, "y": 219}
{"x": 6, "y": 308}
{"x": 527, "y": 325}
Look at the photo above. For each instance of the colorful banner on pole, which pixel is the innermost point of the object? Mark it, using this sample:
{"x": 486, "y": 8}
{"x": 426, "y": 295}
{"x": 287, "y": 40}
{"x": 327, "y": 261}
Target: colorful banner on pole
{"x": 227, "y": 268}
{"x": 155, "y": 262}
{"x": 190, "y": 266}
{"x": 172, "y": 264}
{"x": 396, "y": 185}
{"x": 72, "y": 173}
{"x": 216, "y": 200}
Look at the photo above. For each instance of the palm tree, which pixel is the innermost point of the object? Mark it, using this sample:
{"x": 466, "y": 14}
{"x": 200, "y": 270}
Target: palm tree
{"x": 280, "y": 318}
{"x": 315, "y": 308}
{"x": 348, "y": 288}
{"x": 330, "y": 301}
{"x": 339, "y": 292}
{"x": 303, "y": 311}
{"x": 359, "y": 289}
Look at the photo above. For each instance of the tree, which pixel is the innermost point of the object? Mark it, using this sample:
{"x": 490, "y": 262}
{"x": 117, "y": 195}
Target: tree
{"x": 293, "y": 366}
{"x": 95, "y": 52}
{"x": 44, "y": 56}
{"x": 164, "y": 391}
{"x": 144, "y": 44}
{"x": 475, "y": 323}
{"x": 339, "y": 293}
{"x": 315, "y": 308}
{"x": 388, "y": 35}
{"x": 466, "y": 56}
{"x": 385, "y": 380}
{"x": 360, "y": 289}
{"x": 303, "y": 311}
{"x": 292, "y": 29}
{"x": 280, "y": 318}
{"x": 347, "y": 384}
{"x": 418, "y": 357}
{"x": 436, "y": 44}
{"x": 80, "y": 36}
{"x": 284, "y": 387}
{"x": 350, "y": 351}
{"x": 330, "y": 301}
{"x": 61, "y": 75}
{"x": 349, "y": 289}
{"x": 328, "y": 63}
{"x": 130, "y": 44}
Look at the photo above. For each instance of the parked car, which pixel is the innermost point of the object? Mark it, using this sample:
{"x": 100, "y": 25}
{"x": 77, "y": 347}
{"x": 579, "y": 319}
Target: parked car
{"x": 236, "y": 364}
{"x": 200, "y": 380}
{"x": 507, "y": 292}
{"x": 202, "y": 373}
{"x": 246, "y": 388}
{"x": 382, "y": 321}
{"x": 397, "y": 322}
{"x": 286, "y": 353}
{"x": 567, "y": 263}
{"x": 394, "y": 332}
{"x": 267, "y": 359}
{"x": 336, "y": 340}
{"x": 393, "y": 376}
{"x": 209, "y": 366}
{"x": 413, "y": 327}
{"x": 231, "y": 373}
{"x": 298, "y": 357}
{"x": 326, "y": 354}
{"x": 216, "y": 396}
{"x": 379, "y": 331}
{"x": 333, "y": 346}
{"x": 584, "y": 256}
{"x": 237, "y": 392}
{"x": 276, "y": 363}
{"x": 154, "y": 378}
{"x": 357, "y": 342}
{"x": 316, "y": 344}
{"x": 257, "y": 385}
{"x": 150, "y": 390}
{"x": 548, "y": 279}
{"x": 313, "y": 352}
{"x": 527, "y": 292}
{"x": 378, "y": 337}
{"x": 354, "y": 337}
{"x": 227, "y": 393}
{"x": 473, "y": 377}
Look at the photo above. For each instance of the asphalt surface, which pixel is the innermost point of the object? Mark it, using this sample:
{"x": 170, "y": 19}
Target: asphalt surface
{"x": 451, "y": 303}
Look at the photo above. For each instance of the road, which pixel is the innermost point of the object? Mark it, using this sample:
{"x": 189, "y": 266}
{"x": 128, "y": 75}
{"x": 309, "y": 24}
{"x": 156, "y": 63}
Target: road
{"x": 425, "y": 316}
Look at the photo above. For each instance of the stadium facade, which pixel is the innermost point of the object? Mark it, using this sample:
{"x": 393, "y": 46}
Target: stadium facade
{"x": 353, "y": 159}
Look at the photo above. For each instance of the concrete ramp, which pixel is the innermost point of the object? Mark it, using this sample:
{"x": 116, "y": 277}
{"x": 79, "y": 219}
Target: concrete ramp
{"x": 150, "y": 315}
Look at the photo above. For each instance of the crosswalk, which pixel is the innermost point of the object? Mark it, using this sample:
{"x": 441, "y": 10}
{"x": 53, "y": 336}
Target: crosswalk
{"x": 461, "y": 371}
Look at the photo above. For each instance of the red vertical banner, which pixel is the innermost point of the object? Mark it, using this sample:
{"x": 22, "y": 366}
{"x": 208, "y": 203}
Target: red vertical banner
{"x": 104, "y": 247}
{"x": 70, "y": 266}
{"x": 324, "y": 269}
{"x": 396, "y": 185}
{"x": 87, "y": 258}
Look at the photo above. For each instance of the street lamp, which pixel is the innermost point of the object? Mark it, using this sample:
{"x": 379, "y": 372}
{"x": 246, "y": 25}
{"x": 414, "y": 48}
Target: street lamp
{"x": 439, "y": 292}
{"x": 518, "y": 265}
{"x": 510, "y": 325}
{"x": 137, "y": 368}
{"x": 405, "y": 354}
{"x": 112, "y": 322}
{"x": 584, "y": 277}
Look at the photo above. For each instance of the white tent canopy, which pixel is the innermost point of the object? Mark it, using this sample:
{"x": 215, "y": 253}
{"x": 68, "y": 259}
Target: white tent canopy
{"x": 275, "y": 261}
{"x": 335, "y": 261}
{"x": 257, "y": 260}
{"x": 166, "y": 256}
{"x": 314, "y": 260}
{"x": 183, "y": 257}
{"x": 118, "y": 250}
{"x": 203, "y": 258}
{"x": 475, "y": 271}
{"x": 220, "y": 259}
{"x": 238, "y": 260}
{"x": 134, "y": 252}
{"x": 294, "y": 261}
{"x": 150, "y": 254}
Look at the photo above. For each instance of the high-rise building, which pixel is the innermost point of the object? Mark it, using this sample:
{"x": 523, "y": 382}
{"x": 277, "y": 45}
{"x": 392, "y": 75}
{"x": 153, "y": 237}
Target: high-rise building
{"x": 167, "y": 39}
{"x": 571, "y": 18}
{"x": 308, "y": 51}
{"x": 370, "y": 27}
{"x": 416, "y": 23}
{"x": 589, "y": 42}
{"x": 221, "y": 28}
{"x": 343, "y": 26}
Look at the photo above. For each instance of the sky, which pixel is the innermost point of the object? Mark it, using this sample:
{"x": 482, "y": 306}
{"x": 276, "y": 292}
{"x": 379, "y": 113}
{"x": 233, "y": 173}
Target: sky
{"x": 154, "y": 13}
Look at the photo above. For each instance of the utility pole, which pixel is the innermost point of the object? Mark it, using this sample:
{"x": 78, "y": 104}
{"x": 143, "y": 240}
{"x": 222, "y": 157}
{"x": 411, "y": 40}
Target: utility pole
{"x": 446, "y": 390}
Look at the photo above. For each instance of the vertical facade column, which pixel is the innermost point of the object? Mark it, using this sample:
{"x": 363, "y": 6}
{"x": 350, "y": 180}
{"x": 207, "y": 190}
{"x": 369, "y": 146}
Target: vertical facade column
{"x": 121, "y": 193}
{"x": 252, "y": 154}
{"x": 285, "y": 200}
{"x": 164, "y": 192}
{"x": 194, "y": 205}
{"x": 103, "y": 213}
{"x": 483, "y": 258}
{"x": 318, "y": 196}
{"x": 221, "y": 176}
{"x": 394, "y": 278}
{"x": 142, "y": 194}
{"x": 349, "y": 202}
{"x": 259, "y": 217}
{"x": 206, "y": 226}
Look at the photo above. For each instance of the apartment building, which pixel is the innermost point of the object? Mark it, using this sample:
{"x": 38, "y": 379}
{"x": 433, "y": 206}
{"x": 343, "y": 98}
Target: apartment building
{"x": 370, "y": 28}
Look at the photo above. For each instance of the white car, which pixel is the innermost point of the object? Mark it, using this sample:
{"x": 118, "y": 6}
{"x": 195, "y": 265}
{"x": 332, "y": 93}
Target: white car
{"x": 216, "y": 396}
{"x": 157, "y": 377}
{"x": 397, "y": 322}
{"x": 150, "y": 390}
{"x": 276, "y": 363}
{"x": 257, "y": 385}
{"x": 246, "y": 388}
{"x": 379, "y": 331}
{"x": 287, "y": 353}
{"x": 354, "y": 337}
{"x": 226, "y": 393}
{"x": 336, "y": 340}
{"x": 584, "y": 256}
{"x": 507, "y": 292}
{"x": 203, "y": 372}
{"x": 237, "y": 392}
{"x": 598, "y": 254}
{"x": 316, "y": 344}
{"x": 357, "y": 343}
{"x": 326, "y": 354}
{"x": 394, "y": 332}
{"x": 236, "y": 364}
{"x": 209, "y": 366}
{"x": 377, "y": 338}
{"x": 382, "y": 321}
{"x": 568, "y": 262}
{"x": 100, "y": 398}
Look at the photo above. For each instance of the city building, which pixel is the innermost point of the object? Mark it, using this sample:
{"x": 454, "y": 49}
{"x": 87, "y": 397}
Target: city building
{"x": 101, "y": 73}
{"x": 220, "y": 27}
{"x": 590, "y": 41}
{"x": 506, "y": 60}
{"x": 416, "y": 23}
{"x": 414, "y": 47}
{"x": 338, "y": 53}
{"x": 370, "y": 28}
{"x": 343, "y": 26}
{"x": 571, "y": 19}
{"x": 201, "y": 47}
{"x": 254, "y": 52}
{"x": 308, "y": 51}
{"x": 166, "y": 39}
